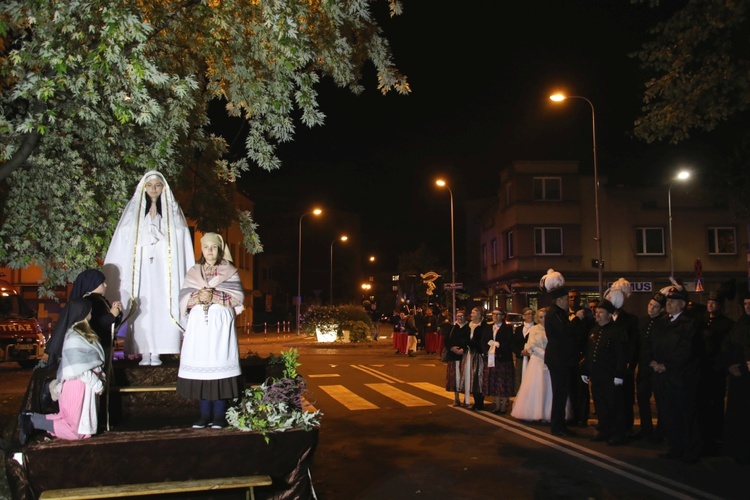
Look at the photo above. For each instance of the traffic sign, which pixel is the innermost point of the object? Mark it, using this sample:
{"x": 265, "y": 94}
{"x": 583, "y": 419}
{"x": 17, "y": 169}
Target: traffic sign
{"x": 453, "y": 286}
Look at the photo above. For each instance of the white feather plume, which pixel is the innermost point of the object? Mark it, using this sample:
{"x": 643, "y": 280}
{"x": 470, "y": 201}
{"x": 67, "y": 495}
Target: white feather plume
{"x": 615, "y": 296}
{"x": 624, "y": 286}
{"x": 551, "y": 280}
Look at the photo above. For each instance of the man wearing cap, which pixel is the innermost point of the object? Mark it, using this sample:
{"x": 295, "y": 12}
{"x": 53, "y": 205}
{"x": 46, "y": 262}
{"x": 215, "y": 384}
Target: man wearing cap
{"x": 644, "y": 379}
{"x": 675, "y": 360}
{"x": 604, "y": 366}
{"x": 580, "y": 398}
{"x": 736, "y": 359}
{"x": 629, "y": 323}
{"x": 561, "y": 355}
{"x": 712, "y": 388}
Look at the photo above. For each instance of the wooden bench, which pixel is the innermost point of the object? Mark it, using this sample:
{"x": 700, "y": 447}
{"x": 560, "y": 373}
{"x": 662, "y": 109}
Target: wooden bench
{"x": 144, "y": 489}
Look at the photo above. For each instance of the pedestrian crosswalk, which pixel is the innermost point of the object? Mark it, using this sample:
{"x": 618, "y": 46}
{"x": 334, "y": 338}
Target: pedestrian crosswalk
{"x": 390, "y": 392}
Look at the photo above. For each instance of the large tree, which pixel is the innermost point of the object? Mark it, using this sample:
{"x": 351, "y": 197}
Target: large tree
{"x": 93, "y": 93}
{"x": 699, "y": 66}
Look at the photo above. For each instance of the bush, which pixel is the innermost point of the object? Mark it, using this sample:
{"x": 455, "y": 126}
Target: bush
{"x": 344, "y": 317}
{"x": 360, "y": 332}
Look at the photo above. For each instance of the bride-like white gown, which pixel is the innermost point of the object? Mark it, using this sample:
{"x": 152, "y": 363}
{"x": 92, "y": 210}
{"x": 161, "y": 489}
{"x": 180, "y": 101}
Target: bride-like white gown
{"x": 534, "y": 398}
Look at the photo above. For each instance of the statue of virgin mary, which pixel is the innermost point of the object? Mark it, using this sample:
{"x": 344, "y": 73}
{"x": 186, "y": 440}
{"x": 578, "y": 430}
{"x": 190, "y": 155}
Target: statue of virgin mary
{"x": 150, "y": 252}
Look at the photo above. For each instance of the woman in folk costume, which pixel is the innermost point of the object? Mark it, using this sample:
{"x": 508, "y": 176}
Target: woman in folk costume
{"x": 79, "y": 381}
{"x": 89, "y": 285}
{"x": 472, "y": 362}
{"x": 148, "y": 257}
{"x": 210, "y": 363}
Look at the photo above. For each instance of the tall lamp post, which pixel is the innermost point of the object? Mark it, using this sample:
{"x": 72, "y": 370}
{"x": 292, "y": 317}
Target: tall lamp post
{"x": 681, "y": 176}
{"x": 315, "y": 212}
{"x": 442, "y": 183}
{"x": 598, "y": 237}
{"x": 342, "y": 238}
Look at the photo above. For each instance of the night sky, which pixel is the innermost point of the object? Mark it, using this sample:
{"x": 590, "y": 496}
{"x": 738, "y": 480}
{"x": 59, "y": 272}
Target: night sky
{"x": 481, "y": 73}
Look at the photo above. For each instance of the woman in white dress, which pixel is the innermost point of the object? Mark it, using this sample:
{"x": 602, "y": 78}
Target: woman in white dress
{"x": 210, "y": 363}
{"x": 150, "y": 252}
{"x": 534, "y": 399}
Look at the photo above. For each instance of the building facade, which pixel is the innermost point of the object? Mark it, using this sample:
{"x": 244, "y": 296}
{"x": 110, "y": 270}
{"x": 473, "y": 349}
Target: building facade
{"x": 545, "y": 217}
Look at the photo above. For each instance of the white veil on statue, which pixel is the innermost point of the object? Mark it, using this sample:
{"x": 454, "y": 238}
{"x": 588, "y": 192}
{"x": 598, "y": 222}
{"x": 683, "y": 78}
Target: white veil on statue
{"x": 145, "y": 266}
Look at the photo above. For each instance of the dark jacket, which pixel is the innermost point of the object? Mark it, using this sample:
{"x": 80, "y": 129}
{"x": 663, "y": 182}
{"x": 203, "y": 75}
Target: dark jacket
{"x": 605, "y": 352}
{"x": 457, "y": 336}
{"x": 678, "y": 346}
{"x": 519, "y": 341}
{"x": 629, "y": 324}
{"x": 562, "y": 339}
{"x": 504, "y": 336}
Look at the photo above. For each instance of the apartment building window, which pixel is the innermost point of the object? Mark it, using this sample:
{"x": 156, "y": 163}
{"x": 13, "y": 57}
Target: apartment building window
{"x": 547, "y": 188}
{"x": 493, "y": 244}
{"x": 509, "y": 245}
{"x": 548, "y": 241}
{"x": 649, "y": 241}
{"x": 484, "y": 256}
{"x": 722, "y": 241}
{"x": 508, "y": 190}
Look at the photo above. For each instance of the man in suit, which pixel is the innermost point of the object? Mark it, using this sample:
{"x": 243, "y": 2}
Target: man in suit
{"x": 561, "y": 355}
{"x": 644, "y": 380}
{"x": 676, "y": 353}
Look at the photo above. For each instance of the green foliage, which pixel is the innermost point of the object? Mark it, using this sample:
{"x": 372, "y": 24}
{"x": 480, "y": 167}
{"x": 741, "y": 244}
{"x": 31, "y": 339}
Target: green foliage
{"x": 276, "y": 405}
{"x": 333, "y": 317}
{"x": 699, "y": 59}
{"x": 360, "y": 332}
{"x": 95, "y": 93}
{"x": 699, "y": 67}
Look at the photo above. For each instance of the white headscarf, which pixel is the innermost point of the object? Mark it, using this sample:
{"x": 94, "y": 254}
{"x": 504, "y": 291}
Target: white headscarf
{"x": 122, "y": 266}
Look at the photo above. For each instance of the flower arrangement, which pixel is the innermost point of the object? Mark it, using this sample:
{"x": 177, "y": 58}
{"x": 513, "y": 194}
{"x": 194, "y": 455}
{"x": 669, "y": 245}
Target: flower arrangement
{"x": 275, "y": 406}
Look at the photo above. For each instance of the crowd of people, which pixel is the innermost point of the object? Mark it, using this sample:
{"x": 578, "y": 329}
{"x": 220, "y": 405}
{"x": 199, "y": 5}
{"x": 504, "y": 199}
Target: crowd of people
{"x": 162, "y": 302}
{"x": 693, "y": 361}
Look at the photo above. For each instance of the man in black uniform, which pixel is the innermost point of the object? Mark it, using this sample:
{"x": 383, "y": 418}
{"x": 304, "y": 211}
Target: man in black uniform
{"x": 644, "y": 378}
{"x": 604, "y": 365}
{"x": 713, "y": 382}
{"x": 561, "y": 355}
{"x": 629, "y": 323}
{"x": 736, "y": 359}
{"x": 675, "y": 359}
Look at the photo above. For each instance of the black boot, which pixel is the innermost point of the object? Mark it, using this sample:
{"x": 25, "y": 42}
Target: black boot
{"x": 25, "y": 427}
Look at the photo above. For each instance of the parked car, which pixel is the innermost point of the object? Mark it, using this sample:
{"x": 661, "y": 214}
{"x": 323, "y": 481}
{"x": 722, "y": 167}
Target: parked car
{"x": 21, "y": 338}
{"x": 514, "y": 319}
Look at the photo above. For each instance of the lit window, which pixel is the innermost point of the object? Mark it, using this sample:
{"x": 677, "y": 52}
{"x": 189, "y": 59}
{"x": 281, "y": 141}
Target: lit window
{"x": 649, "y": 241}
{"x": 722, "y": 241}
{"x": 548, "y": 241}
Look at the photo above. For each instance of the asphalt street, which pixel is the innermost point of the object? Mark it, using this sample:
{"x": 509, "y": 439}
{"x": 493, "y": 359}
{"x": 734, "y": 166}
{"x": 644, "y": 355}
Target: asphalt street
{"x": 389, "y": 430}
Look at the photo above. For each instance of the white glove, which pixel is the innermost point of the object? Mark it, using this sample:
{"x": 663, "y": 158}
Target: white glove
{"x": 618, "y": 381}
{"x": 585, "y": 379}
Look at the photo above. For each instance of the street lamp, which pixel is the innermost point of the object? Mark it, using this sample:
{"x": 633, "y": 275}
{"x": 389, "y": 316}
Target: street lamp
{"x": 342, "y": 238}
{"x": 315, "y": 212}
{"x": 442, "y": 183}
{"x": 598, "y": 238}
{"x": 681, "y": 176}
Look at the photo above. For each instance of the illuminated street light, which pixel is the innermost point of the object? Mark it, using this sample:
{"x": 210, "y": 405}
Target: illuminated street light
{"x": 315, "y": 212}
{"x": 598, "y": 238}
{"x": 372, "y": 258}
{"x": 683, "y": 175}
{"x": 342, "y": 238}
{"x": 442, "y": 183}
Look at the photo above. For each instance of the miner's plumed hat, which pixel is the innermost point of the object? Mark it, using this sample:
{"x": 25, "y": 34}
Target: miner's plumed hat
{"x": 660, "y": 298}
{"x": 554, "y": 284}
{"x": 607, "y": 306}
{"x": 675, "y": 291}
